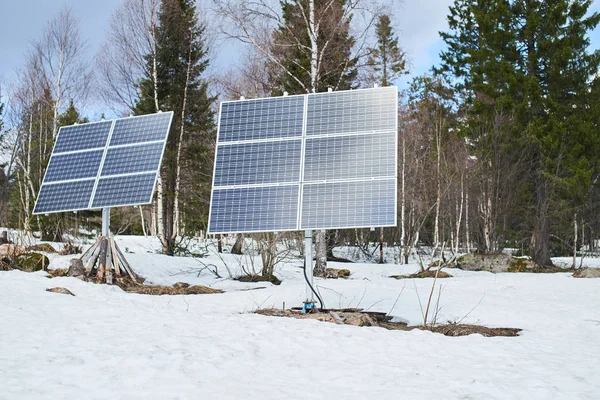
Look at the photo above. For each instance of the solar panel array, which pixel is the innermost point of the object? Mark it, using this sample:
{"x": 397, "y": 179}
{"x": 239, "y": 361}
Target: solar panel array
{"x": 315, "y": 161}
{"x": 104, "y": 164}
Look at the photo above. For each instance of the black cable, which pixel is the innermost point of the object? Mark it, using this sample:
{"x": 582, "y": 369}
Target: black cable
{"x": 312, "y": 288}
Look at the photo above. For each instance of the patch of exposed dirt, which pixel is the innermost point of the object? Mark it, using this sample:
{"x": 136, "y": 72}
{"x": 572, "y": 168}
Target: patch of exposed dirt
{"x": 423, "y": 274}
{"x": 357, "y": 317}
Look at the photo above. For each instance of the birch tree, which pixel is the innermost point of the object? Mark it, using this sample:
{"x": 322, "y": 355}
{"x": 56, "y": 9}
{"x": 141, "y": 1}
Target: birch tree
{"x": 61, "y": 54}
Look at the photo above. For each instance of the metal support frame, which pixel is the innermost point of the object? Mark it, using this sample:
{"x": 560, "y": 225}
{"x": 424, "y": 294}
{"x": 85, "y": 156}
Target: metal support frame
{"x": 105, "y": 222}
{"x": 308, "y": 262}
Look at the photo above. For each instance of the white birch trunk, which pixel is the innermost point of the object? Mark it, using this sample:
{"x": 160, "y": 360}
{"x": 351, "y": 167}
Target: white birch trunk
{"x": 58, "y": 93}
{"x": 436, "y": 232}
{"x": 403, "y": 200}
{"x": 143, "y": 221}
{"x": 467, "y": 233}
{"x": 176, "y": 218}
{"x": 575, "y": 231}
{"x": 459, "y": 212}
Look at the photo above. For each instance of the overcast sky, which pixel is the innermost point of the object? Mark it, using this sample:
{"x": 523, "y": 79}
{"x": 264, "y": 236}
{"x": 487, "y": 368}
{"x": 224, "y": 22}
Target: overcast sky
{"x": 417, "y": 22}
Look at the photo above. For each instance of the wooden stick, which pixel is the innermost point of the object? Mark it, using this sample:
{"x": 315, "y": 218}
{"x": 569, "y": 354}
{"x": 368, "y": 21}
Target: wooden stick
{"x": 101, "y": 260}
{"x": 115, "y": 259}
{"x": 126, "y": 265}
{"x": 107, "y": 268}
{"x": 88, "y": 253}
{"x": 93, "y": 258}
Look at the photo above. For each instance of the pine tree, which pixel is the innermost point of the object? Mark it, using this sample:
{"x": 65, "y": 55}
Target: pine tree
{"x": 292, "y": 48}
{"x": 529, "y": 60}
{"x": 387, "y": 59}
{"x": 186, "y": 169}
{"x": 71, "y": 116}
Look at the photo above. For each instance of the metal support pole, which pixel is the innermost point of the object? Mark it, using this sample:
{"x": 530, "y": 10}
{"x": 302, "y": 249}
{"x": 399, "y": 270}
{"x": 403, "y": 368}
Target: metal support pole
{"x": 310, "y": 296}
{"x": 105, "y": 222}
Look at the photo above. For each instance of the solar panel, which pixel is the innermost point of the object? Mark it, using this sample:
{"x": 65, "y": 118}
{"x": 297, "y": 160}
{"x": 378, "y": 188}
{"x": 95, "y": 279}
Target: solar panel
{"x": 261, "y": 119}
{"x": 353, "y": 111}
{"x": 315, "y": 161}
{"x": 71, "y": 166}
{"x": 124, "y": 190}
{"x": 104, "y": 164}
{"x": 92, "y": 135}
{"x": 131, "y": 159}
{"x": 350, "y": 156}
{"x": 360, "y": 204}
{"x": 145, "y": 128}
{"x": 254, "y": 209}
{"x": 66, "y": 196}
{"x": 258, "y": 163}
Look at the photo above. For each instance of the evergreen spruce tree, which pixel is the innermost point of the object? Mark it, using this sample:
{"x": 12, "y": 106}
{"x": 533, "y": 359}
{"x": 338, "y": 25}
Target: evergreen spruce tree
{"x": 187, "y": 168}
{"x": 292, "y": 48}
{"x": 529, "y": 60}
{"x": 387, "y": 59}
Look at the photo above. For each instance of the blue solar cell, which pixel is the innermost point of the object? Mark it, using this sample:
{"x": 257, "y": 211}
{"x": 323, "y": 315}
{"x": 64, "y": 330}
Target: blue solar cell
{"x": 130, "y": 159}
{"x": 141, "y": 129}
{"x": 271, "y": 208}
{"x": 352, "y": 111}
{"x": 71, "y": 166}
{"x": 350, "y": 157}
{"x": 124, "y": 190}
{"x": 67, "y": 196}
{"x": 256, "y": 163}
{"x": 270, "y": 118}
{"x": 349, "y": 204}
{"x": 82, "y": 136}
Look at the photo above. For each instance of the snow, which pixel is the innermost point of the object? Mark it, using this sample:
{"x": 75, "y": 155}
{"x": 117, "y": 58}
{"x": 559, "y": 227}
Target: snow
{"x": 105, "y": 343}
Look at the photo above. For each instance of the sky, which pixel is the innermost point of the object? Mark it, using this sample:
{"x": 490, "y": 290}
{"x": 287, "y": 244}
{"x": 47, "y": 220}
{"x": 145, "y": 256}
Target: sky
{"x": 417, "y": 24}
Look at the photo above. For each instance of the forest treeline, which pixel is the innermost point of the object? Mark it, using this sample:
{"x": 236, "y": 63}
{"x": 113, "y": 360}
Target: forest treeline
{"x": 498, "y": 143}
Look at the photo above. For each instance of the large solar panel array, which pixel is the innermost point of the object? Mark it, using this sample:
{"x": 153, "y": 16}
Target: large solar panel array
{"x": 315, "y": 161}
{"x": 104, "y": 164}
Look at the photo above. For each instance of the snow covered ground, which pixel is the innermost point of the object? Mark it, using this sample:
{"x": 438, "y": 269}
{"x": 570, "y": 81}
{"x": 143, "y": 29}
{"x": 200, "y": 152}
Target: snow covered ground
{"x": 105, "y": 343}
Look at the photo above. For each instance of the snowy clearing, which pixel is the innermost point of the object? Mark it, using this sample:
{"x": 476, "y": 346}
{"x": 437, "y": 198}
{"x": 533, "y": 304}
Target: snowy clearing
{"x": 105, "y": 343}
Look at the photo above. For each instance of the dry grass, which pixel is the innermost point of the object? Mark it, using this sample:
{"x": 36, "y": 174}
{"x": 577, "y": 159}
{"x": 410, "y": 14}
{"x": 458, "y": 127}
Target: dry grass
{"x": 179, "y": 288}
{"x": 358, "y": 318}
{"x": 45, "y": 247}
{"x": 423, "y": 274}
{"x": 130, "y": 286}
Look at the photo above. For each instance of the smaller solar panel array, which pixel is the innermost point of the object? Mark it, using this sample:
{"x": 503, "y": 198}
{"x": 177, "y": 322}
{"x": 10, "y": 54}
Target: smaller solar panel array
{"x": 104, "y": 164}
{"x": 315, "y": 161}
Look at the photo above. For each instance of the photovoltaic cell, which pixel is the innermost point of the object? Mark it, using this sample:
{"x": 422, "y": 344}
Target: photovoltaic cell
{"x": 348, "y": 157}
{"x": 261, "y": 119}
{"x": 141, "y": 129}
{"x": 349, "y": 204}
{"x": 82, "y": 136}
{"x": 66, "y": 196}
{"x": 124, "y": 190}
{"x": 253, "y": 209}
{"x": 130, "y": 159}
{"x": 353, "y": 111}
{"x": 258, "y": 163}
{"x": 71, "y": 166}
